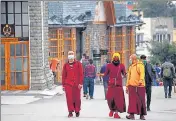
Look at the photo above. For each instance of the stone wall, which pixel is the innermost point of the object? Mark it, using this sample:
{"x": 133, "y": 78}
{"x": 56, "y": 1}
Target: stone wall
{"x": 98, "y": 37}
{"x": 41, "y": 76}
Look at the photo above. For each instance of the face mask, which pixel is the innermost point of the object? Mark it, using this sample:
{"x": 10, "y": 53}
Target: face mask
{"x": 116, "y": 63}
{"x": 144, "y": 61}
{"x": 130, "y": 62}
{"x": 71, "y": 57}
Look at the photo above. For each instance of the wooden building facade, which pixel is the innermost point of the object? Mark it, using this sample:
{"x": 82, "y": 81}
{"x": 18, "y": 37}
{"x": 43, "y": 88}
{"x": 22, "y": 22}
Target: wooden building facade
{"x": 101, "y": 23}
{"x": 35, "y": 32}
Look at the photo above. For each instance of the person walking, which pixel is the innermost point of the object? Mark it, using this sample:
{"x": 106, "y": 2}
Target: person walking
{"x": 135, "y": 88}
{"x": 84, "y": 62}
{"x": 72, "y": 79}
{"x": 89, "y": 74}
{"x": 115, "y": 94}
{"x": 158, "y": 72}
{"x": 167, "y": 75}
{"x": 105, "y": 78}
{"x": 150, "y": 74}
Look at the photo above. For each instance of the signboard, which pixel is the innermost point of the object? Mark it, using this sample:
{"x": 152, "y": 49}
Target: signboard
{"x": 96, "y": 55}
{"x": 104, "y": 52}
{"x": 7, "y": 29}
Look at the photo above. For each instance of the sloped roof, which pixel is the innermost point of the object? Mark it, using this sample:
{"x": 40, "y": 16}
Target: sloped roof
{"x": 78, "y": 12}
{"x": 71, "y": 12}
{"x": 124, "y": 15}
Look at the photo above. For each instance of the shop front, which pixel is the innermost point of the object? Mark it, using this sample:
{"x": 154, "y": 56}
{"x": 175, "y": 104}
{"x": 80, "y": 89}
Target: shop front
{"x": 14, "y": 46}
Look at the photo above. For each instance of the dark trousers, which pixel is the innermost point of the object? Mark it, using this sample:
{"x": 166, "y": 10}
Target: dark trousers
{"x": 89, "y": 84}
{"x": 148, "y": 93}
{"x": 167, "y": 83}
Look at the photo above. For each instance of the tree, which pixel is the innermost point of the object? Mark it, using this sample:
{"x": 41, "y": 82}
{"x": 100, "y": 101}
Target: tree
{"x": 161, "y": 50}
{"x": 155, "y": 8}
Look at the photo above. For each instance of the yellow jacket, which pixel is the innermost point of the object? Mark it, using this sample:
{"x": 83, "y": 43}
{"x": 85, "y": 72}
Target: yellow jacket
{"x": 136, "y": 75}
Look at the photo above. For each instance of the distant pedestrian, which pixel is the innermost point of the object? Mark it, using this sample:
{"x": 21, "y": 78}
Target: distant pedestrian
{"x": 135, "y": 88}
{"x": 150, "y": 75}
{"x": 89, "y": 74}
{"x": 72, "y": 79}
{"x": 54, "y": 66}
{"x": 167, "y": 75}
{"x": 158, "y": 72}
{"x": 84, "y": 61}
{"x": 115, "y": 94}
{"x": 105, "y": 78}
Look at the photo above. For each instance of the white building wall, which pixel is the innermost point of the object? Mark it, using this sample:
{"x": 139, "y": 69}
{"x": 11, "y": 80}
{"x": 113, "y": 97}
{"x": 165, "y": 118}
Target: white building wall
{"x": 147, "y": 37}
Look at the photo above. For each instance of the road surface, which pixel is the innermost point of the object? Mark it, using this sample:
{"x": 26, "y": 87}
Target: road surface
{"x": 54, "y": 109}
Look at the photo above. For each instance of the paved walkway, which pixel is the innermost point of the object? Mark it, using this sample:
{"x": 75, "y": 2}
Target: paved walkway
{"x": 54, "y": 109}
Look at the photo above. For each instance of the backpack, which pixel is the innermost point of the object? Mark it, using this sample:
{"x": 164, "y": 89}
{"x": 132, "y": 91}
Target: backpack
{"x": 167, "y": 73}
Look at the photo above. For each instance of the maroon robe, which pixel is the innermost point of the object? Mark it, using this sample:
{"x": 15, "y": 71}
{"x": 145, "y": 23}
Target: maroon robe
{"x": 72, "y": 76}
{"x": 115, "y": 94}
{"x": 137, "y": 103}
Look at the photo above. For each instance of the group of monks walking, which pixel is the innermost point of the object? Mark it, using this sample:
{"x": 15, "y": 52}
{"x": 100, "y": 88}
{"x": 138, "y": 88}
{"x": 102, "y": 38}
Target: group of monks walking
{"x": 72, "y": 81}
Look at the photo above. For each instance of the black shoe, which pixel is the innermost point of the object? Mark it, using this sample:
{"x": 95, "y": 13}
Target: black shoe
{"x": 77, "y": 114}
{"x": 165, "y": 96}
{"x": 142, "y": 117}
{"x": 148, "y": 109}
{"x": 91, "y": 98}
{"x": 84, "y": 95}
{"x": 70, "y": 114}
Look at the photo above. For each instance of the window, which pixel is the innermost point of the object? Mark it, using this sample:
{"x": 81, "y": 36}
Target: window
{"x": 10, "y": 7}
{"x": 169, "y": 37}
{"x": 3, "y": 19}
{"x": 162, "y": 37}
{"x": 3, "y": 7}
{"x": 24, "y": 7}
{"x": 119, "y": 31}
{"x": 158, "y": 37}
{"x": 140, "y": 38}
{"x": 17, "y": 19}
{"x": 25, "y": 19}
{"x": 67, "y": 32}
{"x": 16, "y": 13}
{"x": 17, "y": 7}
{"x": 10, "y": 18}
{"x": 154, "y": 37}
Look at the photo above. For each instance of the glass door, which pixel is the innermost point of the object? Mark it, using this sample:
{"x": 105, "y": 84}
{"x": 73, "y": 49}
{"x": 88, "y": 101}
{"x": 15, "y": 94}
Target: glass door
{"x": 14, "y": 65}
{"x": 3, "y": 68}
{"x": 18, "y": 66}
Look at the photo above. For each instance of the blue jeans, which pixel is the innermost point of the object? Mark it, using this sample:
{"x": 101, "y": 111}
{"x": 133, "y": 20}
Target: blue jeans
{"x": 105, "y": 84}
{"x": 155, "y": 83}
{"x": 89, "y": 84}
{"x": 84, "y": 86}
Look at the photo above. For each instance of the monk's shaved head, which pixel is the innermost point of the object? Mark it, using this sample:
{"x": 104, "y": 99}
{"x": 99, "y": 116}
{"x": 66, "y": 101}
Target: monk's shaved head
{"x": 133, "y": 57}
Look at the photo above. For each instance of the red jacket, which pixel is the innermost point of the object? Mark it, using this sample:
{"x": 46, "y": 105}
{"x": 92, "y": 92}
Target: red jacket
{"x": 72, "y": 74}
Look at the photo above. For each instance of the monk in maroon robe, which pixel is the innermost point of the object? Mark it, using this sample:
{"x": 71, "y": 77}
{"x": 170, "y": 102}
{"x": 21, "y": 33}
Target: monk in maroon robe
{"x": 72, "y": 79}
{"x": 115, "y": 94}
{"x": 135, "y": 88}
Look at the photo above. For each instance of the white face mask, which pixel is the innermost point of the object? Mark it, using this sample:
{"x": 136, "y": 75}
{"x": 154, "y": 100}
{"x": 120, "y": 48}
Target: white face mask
{"x": 71, "y": 57}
